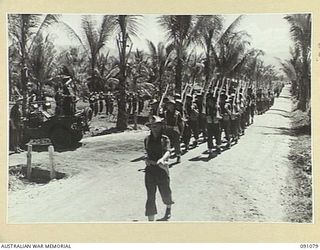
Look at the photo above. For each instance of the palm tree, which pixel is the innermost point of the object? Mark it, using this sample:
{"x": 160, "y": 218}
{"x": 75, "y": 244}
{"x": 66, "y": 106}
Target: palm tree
{"x": 230, "y": 52}
{"x": 24, "y": 29}
{"x": 292, "y": 69}
{"x": 96, "y": 38}
{"x": 161, "y": 60}
{"x": 180, "y": 31}
{"x": 249, "y": 66}
{"x": 125, "y": 26}
{"x": 194, "y": 68}
{"x": 42, "y": 60}
{"x": 138, "y": 71}
{"x": 301, "y": 34}
{"x": 75, "y": 60}
{"x": 208, "y": 27}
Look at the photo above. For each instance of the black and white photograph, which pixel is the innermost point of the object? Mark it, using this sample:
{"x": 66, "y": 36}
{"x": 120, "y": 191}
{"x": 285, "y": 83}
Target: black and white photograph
{"x": 152, "y": 118}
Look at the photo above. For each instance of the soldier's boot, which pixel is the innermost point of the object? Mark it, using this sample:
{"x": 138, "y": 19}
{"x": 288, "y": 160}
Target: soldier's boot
{"x": 228, "y": 144}
{"x": 167, "y": 215}
{"x": 204, "y": 137}
{"x": 218, "y": 149}
{"x": 210, "y": 150}
{"x": 235, "y": 139}
{"x": 195, "y": 142}
{"x": 17, "y": 150}
{"x": 178, "y": 158}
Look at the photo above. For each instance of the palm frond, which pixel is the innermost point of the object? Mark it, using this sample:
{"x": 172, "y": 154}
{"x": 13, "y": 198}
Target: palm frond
{"x": 229, "y": 30}
{"x": 152, "y": 48}
{"x": 106, "y": 28}
{"x": 91, "y": 34}
{"x": 127, "y": 23}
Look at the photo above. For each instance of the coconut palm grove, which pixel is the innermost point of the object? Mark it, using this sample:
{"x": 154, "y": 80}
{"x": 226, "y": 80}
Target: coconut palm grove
{"x": 191, "y": 89}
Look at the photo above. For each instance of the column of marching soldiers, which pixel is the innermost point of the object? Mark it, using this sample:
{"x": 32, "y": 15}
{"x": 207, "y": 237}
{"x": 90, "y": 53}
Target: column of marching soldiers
{"x": 227, "y": 107}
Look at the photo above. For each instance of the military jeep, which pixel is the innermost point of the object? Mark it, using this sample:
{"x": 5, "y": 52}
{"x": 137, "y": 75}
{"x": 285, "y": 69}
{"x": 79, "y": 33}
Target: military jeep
{"x": 62, "y": 130}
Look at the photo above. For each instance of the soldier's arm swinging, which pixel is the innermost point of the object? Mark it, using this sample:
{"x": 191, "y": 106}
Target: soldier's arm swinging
{"x": 166, "y": 150}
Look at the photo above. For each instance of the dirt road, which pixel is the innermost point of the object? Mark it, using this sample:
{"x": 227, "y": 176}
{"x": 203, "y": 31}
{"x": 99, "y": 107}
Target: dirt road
{"x": 105, "y": 182}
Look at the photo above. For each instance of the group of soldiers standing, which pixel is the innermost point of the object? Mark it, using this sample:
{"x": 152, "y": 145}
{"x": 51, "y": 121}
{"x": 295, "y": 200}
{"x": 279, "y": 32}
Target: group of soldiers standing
{"x": 224, "y": 110}
{"x": 134, "y": 101}
{"x": 98, "y": 100}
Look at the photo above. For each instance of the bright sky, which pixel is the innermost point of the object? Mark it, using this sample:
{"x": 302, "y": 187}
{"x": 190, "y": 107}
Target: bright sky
{"x": 269, "y": 32}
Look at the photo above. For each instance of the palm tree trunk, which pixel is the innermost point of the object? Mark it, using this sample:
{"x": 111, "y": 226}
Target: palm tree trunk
{"x": 160, "y": 85}
{"x": 122, "y": 119}
{"x": 24, "y": 79}
{"x": 303, "y": 95}
{"x": 92, "y": 76}
{"x": 178, "y": 76}
{"x": 304, "y": 84}
{"x": 207, "y": 70}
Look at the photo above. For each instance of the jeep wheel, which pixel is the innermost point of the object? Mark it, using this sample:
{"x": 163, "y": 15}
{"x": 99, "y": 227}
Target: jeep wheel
{"x": 61, "y": 138}
{"x": 77, "y": 135}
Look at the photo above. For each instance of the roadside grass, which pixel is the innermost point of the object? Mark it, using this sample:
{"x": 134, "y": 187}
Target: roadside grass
{"x": 300, "y": 157}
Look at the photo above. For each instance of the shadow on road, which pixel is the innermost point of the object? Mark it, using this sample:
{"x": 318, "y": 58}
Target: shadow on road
{"x": 141, "y": 158}
{"x": 44, "y": 148}
{"x": 107, "y": 131}
{"x": 303, "y": 130}
{"x": 275, "y": 113}
{"x": 208, "y": 157}
{"x": 173, "y": 164}
{"x": 284, "y": 97}
{"x": 281, "y": 110}
{"x": 38, "y": 175}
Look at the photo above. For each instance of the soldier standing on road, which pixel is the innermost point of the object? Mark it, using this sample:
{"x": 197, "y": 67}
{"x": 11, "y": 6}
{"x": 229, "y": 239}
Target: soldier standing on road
{"x": 111, "y": 104}
{"x": 92, "y": 100}
{"x": 157, "y": 148}
{"x": 202, "y": 117}
{"x": 96, "y": 105}
{"x": 242, "y": 115}
{"x": 213, "y": 123}
{"x": 192, "y": 114}
{"x": 140, "y": 103}
{"x": 101, "y": 97}
{"x": 107, "y": 99}
{"x": 16, "y": 126}
{"x": 134, "y": 103}
{"x": 226, "y": 117}
{"x": 259, "y": 101}
{"x": 252, "y": 104}
{"x": 173, "y": 127}
{"x": 179, "y": 108}
{"x": 235, "y": 116}
{"x": 67, "y": 97}
{"x": 59, "y": 101}
{"x": 244, "y": 106}
{"x": 129, "y": 102}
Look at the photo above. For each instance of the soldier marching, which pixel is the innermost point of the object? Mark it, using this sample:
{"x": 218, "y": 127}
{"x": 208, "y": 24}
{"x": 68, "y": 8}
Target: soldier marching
{"x": 221, "y": 114}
